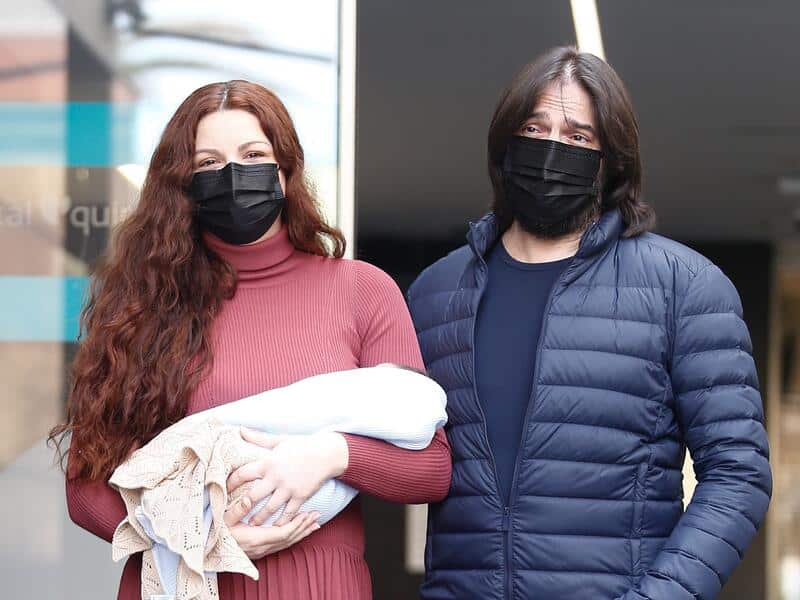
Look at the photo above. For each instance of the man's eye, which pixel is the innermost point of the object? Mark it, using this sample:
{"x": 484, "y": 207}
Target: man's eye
{"x": 531, "y": 129}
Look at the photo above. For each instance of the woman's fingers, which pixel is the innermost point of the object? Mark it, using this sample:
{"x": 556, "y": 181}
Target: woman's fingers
{"x": 245, "y": 473}
{"x": 279, "y": 498}
{"x": 290, "y": 512}
{"x": 263, "y": 488}
{"x": 237, "y": 511}
{"x": 308, "y": 527}
{"x": 274, "y": 539}
{"x": 265, "y": 440}
{"x": 257, "y": 542}
{"x": 297, "y": 529}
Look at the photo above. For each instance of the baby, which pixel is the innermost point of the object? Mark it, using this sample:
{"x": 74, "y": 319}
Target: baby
{"x": 175, "y": 486}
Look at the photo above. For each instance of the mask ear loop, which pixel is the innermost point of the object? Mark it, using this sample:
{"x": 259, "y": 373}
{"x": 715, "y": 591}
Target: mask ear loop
{"x": 278, "y": 182}
{"x": 597, "y": 185}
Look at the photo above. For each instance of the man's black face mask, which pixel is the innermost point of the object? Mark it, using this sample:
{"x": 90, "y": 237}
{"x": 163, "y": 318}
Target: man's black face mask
{"x": 238, "y": 203}
{"x": 549, "y": 184}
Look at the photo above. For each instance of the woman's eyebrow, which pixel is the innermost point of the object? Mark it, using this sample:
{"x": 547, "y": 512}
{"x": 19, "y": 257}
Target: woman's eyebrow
{"x": 246, "y": 144}
{"x": 240, "y": 148}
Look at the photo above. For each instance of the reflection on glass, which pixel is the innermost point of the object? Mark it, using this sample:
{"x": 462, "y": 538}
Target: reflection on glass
{"x": 85, "y": 91}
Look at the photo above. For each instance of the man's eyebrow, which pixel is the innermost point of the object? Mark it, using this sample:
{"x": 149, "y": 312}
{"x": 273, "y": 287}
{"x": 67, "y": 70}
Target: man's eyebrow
{"x": 579, "y": 126}
{"x": 543, "y": 115}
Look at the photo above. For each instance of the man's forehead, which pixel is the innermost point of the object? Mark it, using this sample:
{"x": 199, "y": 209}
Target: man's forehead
{"x": 556, "y": 102}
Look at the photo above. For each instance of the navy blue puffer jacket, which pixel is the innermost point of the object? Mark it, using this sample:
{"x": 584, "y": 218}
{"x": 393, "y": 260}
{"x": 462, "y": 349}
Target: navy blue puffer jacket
{"x": 643, "y": 353}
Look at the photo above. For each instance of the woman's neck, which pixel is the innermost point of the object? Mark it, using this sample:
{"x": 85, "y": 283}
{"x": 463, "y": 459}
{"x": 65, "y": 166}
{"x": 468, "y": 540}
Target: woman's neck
{"x": 267, "y": 258}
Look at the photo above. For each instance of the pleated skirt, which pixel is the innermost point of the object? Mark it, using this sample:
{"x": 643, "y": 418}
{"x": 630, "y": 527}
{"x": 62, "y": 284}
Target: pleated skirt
{"x": 327, "y": 565}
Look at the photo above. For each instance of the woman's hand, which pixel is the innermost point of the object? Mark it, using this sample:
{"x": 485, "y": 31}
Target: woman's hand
{"x": 257, "y": 542}
{"x": 292, "y": 473}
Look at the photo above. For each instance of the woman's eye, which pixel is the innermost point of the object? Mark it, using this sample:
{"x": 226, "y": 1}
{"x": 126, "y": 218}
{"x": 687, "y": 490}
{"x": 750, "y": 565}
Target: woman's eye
{"x": 580, "y": 138}
{"x": 531, "y": 129}
{"x": 254, "y": 154}
{"x": 207, "y": 162}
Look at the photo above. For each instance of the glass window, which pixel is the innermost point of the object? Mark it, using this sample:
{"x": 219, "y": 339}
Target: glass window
{"x": 85, "y": 91}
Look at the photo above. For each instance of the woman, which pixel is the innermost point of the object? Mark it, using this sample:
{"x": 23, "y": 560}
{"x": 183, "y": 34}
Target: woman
{"x": 219, "y": 286}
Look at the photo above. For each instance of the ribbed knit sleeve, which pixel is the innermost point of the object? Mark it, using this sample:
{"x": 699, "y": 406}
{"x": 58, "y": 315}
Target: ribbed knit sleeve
{"x": 95, "y": 506}
{"x": 387, "y": 336}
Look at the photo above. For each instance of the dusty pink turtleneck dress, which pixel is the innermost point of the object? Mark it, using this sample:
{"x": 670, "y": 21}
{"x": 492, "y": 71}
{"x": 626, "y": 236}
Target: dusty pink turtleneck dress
{"x": 295, "y": 315}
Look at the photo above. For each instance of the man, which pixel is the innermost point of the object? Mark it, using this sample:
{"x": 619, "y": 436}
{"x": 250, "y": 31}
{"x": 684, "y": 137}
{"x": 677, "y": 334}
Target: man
{"x": 581, "y": 356}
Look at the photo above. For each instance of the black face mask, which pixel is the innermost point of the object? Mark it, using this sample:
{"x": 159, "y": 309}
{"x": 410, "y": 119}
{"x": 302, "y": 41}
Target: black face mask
{"x": 238, "y": 203}
{"x": 550, "y": 186}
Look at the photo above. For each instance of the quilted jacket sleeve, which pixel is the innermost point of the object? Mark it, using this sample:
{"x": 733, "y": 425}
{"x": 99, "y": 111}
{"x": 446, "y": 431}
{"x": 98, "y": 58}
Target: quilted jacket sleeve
{"x": 721, "y": 417}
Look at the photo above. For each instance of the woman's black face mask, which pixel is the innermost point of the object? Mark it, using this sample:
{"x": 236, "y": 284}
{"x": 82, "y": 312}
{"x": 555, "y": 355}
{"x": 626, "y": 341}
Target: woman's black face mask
{"x": 238, "y": 203}
{"x": 548, "y": 183}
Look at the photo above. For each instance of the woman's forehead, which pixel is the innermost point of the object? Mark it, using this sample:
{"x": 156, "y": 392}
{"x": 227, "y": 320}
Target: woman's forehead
{"x": 229, "y": 129}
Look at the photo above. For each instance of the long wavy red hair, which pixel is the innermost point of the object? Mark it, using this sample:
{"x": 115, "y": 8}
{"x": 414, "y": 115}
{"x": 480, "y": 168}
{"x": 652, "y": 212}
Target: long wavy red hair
{"x": 144, "y": 343}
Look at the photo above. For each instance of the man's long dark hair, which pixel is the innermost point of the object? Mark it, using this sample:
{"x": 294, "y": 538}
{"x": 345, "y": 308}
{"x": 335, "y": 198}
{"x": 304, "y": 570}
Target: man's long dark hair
{"x": 617, "y": 129}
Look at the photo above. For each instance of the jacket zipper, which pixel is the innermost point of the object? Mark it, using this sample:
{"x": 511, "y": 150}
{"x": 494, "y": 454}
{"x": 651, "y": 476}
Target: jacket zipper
{"x": 507, "y": 549}
{"x": 531, "y": 401}
{"x": 506, "y": 509}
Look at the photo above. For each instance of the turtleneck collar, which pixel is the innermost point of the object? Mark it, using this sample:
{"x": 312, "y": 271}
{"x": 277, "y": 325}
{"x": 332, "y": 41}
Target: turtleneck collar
{"x": 262, "y": 260}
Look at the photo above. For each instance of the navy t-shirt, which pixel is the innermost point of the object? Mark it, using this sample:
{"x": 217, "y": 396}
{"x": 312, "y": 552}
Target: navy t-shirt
{"x": 506, "y": 337}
